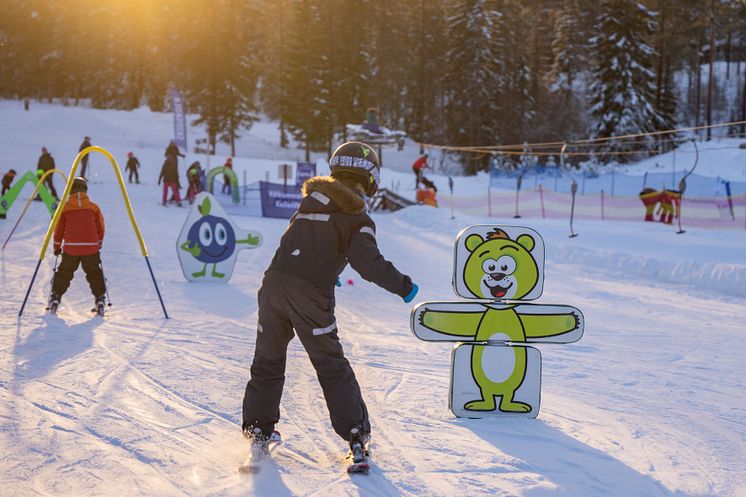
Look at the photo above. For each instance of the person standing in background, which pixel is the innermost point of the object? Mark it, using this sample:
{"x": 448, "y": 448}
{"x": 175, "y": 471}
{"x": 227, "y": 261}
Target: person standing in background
{"x": 170, "y": 177}
{"x": 46, "y": 163}
{"x": 226, "y": 178}
{"x": 417, "y": 167}
{"x": 132, "y": 166}
{"x": 84, "y": 161}
{"x": 7, "y": 180}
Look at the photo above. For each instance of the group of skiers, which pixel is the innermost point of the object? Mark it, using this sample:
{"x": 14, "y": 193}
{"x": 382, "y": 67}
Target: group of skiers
{"x": 169, "y": 176}
{"x": 46, "y": 163}
{"x": 330, "y": 229}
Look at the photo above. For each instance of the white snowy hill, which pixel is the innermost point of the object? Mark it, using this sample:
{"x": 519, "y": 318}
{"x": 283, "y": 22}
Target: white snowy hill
{"x": 649, "y": 403}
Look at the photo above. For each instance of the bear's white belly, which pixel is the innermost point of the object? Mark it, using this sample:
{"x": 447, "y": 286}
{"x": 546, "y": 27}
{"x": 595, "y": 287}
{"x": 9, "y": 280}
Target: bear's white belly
{"x": 498, "y": 363}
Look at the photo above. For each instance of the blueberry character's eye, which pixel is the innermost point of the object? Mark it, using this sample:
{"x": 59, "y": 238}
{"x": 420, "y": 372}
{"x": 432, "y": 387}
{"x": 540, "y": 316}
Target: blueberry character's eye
{"x": 507, "y": 264}
{"x": 221, "y": 234}
{"x": 488, "y": 266}
{"x": 205, "y": 234}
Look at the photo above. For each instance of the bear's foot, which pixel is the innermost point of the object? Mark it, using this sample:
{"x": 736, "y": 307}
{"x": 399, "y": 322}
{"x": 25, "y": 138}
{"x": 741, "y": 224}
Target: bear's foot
{"x": 215, "y": 273}
{"x": 200, "y": 274}
{"x": 506, "y": 406}
{"x": 480, "y": 405}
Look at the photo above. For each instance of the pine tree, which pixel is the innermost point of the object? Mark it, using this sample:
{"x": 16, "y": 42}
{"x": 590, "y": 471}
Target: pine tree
{"x": 474, "y": 78}
{"x": 308, "y": 78}
{"x": 426, "y": 45}
{"x": 622, "y": 90}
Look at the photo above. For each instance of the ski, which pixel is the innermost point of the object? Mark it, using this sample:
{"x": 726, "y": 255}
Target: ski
{"x": 260, "y": 452}
{"x": 357, "y": 467}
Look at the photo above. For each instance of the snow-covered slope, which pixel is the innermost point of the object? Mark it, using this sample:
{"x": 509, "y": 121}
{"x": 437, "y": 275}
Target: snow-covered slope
{"x": 649, "y": 403}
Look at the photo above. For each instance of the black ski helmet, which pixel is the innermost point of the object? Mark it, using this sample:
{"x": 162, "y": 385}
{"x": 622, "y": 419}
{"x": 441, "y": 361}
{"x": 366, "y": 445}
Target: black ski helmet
{"x": 358, "y": 159}
{"x": 79, "y": 185}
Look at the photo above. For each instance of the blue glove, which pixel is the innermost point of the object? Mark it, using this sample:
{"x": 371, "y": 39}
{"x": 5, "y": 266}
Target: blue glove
{"x": 339, "y": 283}
{"x": 410, "y": 296}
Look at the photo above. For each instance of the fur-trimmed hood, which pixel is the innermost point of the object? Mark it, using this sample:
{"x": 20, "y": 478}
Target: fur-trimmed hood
{"x": 344, "y": 197}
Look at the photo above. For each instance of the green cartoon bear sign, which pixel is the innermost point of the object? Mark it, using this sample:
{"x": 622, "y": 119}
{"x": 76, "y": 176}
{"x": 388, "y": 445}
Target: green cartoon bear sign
{"x": 496, "y": 372}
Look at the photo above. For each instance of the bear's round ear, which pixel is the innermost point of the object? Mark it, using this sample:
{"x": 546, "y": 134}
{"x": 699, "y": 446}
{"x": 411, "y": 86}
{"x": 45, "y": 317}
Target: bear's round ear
{"x": 527, "y": 241}
{"x": 473, "y": 241}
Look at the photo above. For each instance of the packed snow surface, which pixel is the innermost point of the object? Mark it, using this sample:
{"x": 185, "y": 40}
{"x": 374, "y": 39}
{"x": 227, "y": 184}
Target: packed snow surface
{"x": 649, "y": 403}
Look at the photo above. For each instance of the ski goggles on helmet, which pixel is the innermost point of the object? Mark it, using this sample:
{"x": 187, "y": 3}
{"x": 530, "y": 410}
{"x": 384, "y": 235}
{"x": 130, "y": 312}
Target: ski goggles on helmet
{"x": 350, "y": 162}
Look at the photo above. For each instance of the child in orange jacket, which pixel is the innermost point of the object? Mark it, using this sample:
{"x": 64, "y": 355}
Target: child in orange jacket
{"x": 78, "y": 237}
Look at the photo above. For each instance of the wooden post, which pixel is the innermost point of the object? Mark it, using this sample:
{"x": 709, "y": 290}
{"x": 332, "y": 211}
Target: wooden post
{"x": 602, "y": 205}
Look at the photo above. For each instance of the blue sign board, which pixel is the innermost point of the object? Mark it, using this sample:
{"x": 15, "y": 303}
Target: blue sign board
{"x": 279, "y": 200}
{"x": 304, "y": 171}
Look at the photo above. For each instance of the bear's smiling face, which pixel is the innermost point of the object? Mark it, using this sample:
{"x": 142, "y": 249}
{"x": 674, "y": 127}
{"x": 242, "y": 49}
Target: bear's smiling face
{"x": 500, "y": 268}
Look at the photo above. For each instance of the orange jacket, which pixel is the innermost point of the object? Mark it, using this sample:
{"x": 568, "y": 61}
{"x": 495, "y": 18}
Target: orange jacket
{"x": 420, "y": 163}
{"x": 81, "y": 226}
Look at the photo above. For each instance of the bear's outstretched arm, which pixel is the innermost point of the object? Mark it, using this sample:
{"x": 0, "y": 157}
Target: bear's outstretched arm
{"x": 452, "y": 323}
{"x": 548, "y": 325}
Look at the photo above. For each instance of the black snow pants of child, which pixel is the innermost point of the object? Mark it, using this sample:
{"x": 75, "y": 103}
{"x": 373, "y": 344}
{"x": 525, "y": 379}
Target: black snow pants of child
{"x": 287, "y": 303}
{"x": 66, "y": 270}
{"x": 133, "y": 172}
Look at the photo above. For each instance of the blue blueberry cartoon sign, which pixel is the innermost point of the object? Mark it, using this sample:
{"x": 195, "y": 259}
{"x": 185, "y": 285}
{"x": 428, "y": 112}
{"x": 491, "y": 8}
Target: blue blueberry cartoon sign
{"x": 209, "y": 241}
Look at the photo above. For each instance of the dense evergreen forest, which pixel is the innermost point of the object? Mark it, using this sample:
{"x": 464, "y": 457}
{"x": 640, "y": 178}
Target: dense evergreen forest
{"x": 457, "y": 72}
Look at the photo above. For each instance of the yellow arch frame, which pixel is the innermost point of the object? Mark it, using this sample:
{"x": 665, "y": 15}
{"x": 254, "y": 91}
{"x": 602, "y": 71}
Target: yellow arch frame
{"x": 60, "y": 206}
{"x": 66, "y": 194}
{"x": 31, "y": 198}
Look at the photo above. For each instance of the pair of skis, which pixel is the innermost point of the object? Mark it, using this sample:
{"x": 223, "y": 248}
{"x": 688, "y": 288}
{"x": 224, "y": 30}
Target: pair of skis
{"x": 99, "y": 309}
{"x": 357, "y": 458}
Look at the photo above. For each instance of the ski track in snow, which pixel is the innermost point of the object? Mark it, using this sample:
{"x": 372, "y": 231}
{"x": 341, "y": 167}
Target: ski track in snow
{"x": 649, "y": 403}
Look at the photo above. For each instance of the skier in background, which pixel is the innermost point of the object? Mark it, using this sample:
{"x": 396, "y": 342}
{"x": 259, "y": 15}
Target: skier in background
{"x": 132, "y": 166}
{"x": 193, "y": 180}
{"x": 84, "y": 161}
{"x": 417, "y": 167}
{"x": 7, "y": 180}
{"x": 173, "y": 150}
{"x": 46, "y": 163}
{"x": 170, "y": 177}
{"x": 330, "y": 229}
{"x": 226, "y": 178}
{"x": 78, "y": 237}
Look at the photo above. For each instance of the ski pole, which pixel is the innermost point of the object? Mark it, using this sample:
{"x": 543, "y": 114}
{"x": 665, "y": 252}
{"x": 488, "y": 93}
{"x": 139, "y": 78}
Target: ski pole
{"x": 106, "y": 283}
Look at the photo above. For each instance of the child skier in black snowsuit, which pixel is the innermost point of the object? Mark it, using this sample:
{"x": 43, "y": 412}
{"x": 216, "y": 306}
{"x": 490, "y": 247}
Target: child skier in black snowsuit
{"x": 330, "y": 229}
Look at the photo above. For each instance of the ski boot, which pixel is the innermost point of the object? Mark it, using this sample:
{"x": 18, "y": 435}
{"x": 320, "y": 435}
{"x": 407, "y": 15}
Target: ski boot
{"x": 99, "y": 306}
{"x": 357, "y": 458}
{"x": 262, "y": 446}
{"x": 53, "y": 304}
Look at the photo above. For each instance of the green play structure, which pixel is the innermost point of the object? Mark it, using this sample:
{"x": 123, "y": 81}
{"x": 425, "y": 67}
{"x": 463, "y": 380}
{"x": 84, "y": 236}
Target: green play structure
{"x": 235, "y": 194}
{"x": 6, "y": 201}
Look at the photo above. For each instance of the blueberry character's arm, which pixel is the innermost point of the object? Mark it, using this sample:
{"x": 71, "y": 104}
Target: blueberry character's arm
{"x": 191, "y": 247}
{"x": 251, "y": 240}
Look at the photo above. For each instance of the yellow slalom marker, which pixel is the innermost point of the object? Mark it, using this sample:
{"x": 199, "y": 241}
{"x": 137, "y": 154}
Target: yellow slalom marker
{"x": 60, "y": 206}
{"x": 31, "y": 198}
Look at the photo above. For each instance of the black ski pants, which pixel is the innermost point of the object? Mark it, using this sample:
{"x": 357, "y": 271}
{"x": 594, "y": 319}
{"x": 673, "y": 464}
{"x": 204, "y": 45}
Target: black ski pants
{"x": 133, "y": 172}
{"x": 287, "y": 303}
{"x": 66, "y": 270}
